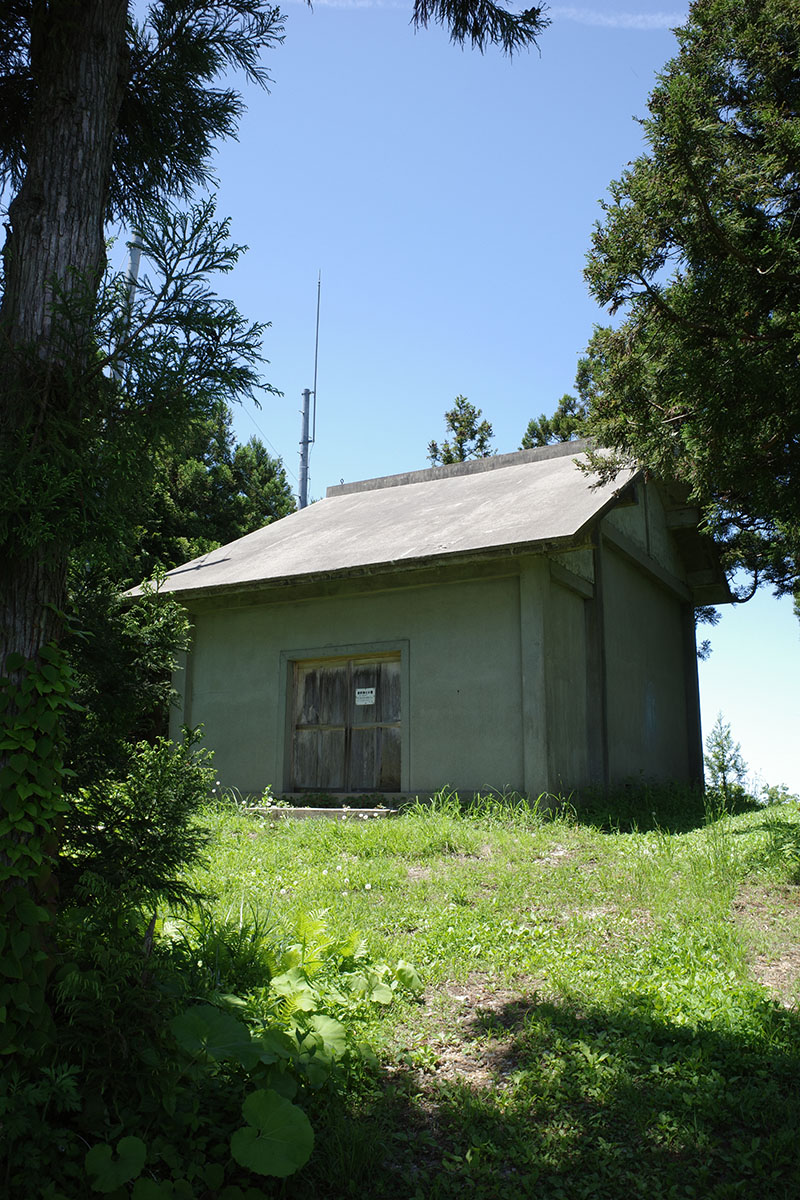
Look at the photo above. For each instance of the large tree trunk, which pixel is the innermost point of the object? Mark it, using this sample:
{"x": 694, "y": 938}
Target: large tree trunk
{"x": 54, "y": 251}
{"x": 54, "y": 256}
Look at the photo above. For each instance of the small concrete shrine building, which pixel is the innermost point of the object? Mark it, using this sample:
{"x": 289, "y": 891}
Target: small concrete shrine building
{"x": 504, "y": 623}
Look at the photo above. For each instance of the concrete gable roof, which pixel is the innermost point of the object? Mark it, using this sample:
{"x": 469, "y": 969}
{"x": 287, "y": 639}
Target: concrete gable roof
{"x": 468, "y": 509}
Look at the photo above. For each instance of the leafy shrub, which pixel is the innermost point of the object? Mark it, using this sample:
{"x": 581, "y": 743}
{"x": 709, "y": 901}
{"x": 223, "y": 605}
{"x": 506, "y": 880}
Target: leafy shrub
{"x": 126, "y": 841}
{"x": 184, "y": 1051}
{"x": 725, "y": 767}
{"x": 122, "y": 657}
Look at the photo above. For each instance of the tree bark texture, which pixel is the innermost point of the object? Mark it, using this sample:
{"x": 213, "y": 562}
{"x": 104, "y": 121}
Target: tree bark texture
{"x": 54, "y": 251}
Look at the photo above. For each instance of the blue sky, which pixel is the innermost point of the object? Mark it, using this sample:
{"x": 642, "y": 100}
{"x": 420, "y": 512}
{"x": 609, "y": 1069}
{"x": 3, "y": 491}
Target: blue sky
{"x": 448, "y": 200}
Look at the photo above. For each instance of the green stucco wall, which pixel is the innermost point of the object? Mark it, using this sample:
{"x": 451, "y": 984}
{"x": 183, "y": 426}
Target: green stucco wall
{"x": 646, "y": 659}
{"x": 567, "y": 699}
{"x": 464, "y": 687}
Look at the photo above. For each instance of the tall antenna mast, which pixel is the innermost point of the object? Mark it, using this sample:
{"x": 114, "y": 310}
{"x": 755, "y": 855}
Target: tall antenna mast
{"x": 131, "y": 283}
{"x": 305, "y": 440}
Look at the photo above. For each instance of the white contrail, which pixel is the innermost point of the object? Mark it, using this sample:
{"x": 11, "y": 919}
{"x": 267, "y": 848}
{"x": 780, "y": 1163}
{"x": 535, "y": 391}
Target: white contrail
{"x": 618, "y": 20}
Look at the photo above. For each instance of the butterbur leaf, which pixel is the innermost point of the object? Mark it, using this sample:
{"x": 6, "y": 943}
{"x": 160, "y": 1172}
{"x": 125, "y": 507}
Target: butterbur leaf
{"x": 279, "y": 1081}
{"x": 357, "y": 984}
{"x": 295, "y": 987}
{"x": 278, "y": 1138}
{"x": 407, "y": 975}
{"x": 333, "y": 1034}
{"x": 205, "y": 1030}
{"x": 272, "y": 1045}
{"x": 312, "y": 1044}
{"x": 149, "y": 1189}
{"x": 368, "y": 1055}
{"x": 378, "y": 991}
{"x": 213, "y": 1176}
{"x": 108, "y": 1171}
{"x": 317, "y": 1072}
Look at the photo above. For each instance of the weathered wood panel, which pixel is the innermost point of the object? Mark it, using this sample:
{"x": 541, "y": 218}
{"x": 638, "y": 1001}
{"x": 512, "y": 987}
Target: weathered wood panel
{"x": 374, "y": 761}
{"x": 339, "y": 744}
{"x": 389, "y": 773}
{"x": 362, "y": 775}
{"x": 321, "y": 695}
{"x": 318, "y": 760}
{"x": 384, "y": 678}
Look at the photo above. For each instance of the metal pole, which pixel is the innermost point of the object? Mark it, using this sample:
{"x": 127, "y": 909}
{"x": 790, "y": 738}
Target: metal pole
{"x": 302, "y": 500}
{"x": 131, "y": 282}
{"x": 133, "y": 268}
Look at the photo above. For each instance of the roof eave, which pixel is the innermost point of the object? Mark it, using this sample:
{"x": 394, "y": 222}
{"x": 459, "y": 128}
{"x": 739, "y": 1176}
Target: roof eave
{"x": 388, "y": 567}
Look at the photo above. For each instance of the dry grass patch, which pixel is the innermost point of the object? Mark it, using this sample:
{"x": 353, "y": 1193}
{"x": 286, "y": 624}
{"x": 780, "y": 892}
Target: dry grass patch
{"x": 769, "y": 919}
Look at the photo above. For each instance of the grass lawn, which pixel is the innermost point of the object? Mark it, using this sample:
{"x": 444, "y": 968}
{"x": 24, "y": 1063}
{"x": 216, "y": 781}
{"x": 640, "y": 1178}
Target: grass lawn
{"x": 607, "y": 1011}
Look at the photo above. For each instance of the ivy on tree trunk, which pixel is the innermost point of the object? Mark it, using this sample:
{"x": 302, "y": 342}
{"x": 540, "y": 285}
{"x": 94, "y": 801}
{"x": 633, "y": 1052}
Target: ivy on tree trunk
{"x": 54, "y": 253}
{"x": 54, "y": 256}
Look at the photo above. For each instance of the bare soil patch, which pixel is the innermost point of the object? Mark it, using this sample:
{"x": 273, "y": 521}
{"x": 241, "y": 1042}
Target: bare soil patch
{"x": 466, "y": 1028}
{"x": 769, "y": 917}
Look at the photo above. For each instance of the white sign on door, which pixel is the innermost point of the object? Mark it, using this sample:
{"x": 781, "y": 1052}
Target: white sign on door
{"x": 365, "y": 696}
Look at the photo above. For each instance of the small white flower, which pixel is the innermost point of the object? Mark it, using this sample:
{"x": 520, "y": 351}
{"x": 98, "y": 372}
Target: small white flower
{"x": 325, "y": 872}
{"x": 283, "y": 891}
{"x": 367, "y": 887}
{"x": 344, "y": 893}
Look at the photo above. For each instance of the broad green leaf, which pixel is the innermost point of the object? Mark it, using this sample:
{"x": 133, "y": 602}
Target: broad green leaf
{"x": 357, "y": 983}
{"x": 278, "y": 1081}
{"x": 278, "y": 1138}
{"x": 293, "y": 984}
{"x": 293, "y": 957}
{"x": 107, "y": 1172}
{"x": 407, "y": 975}
{"x": 214, "y": 1175}
{"x": 381, "y": 993}
{"x": 273, "y": 1045}
{"x": 203, "y": 1029}
{"x": 317, "y": 1072}
{"x": 333, "y": 1033}
{"x": 149, "y": 1189}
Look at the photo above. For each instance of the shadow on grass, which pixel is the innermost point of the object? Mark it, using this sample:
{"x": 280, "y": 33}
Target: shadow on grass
{"x": 607, "y": 1105}
{"x": 781, "y": 846}
{"x": 642, "y": 807}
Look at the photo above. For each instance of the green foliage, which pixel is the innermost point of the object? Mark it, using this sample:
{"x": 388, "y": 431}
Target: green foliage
{"x": 567, "y": 422}
{"x": 483, "y": 23}
{"x": 569, "y": 419}
{"x": 725, "y": 767}
{"x": 161, "y": 1028}
{"x": 224, "y": 953}
{"x": 172, "y": 113}
{"x": 470, "y": 438}
{"x": 208, "y": 491}
{"x": 107, "y": 1171}
{"x": 175, "y": 354}
{"x": 33, "y": 702}
{"x": 592, "y": 1023}
{"x": 278, "y": 1137}
{"x": 699, "y": 247}
{"x": 126, "y": 841}
{"x": 122, "y": 656}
